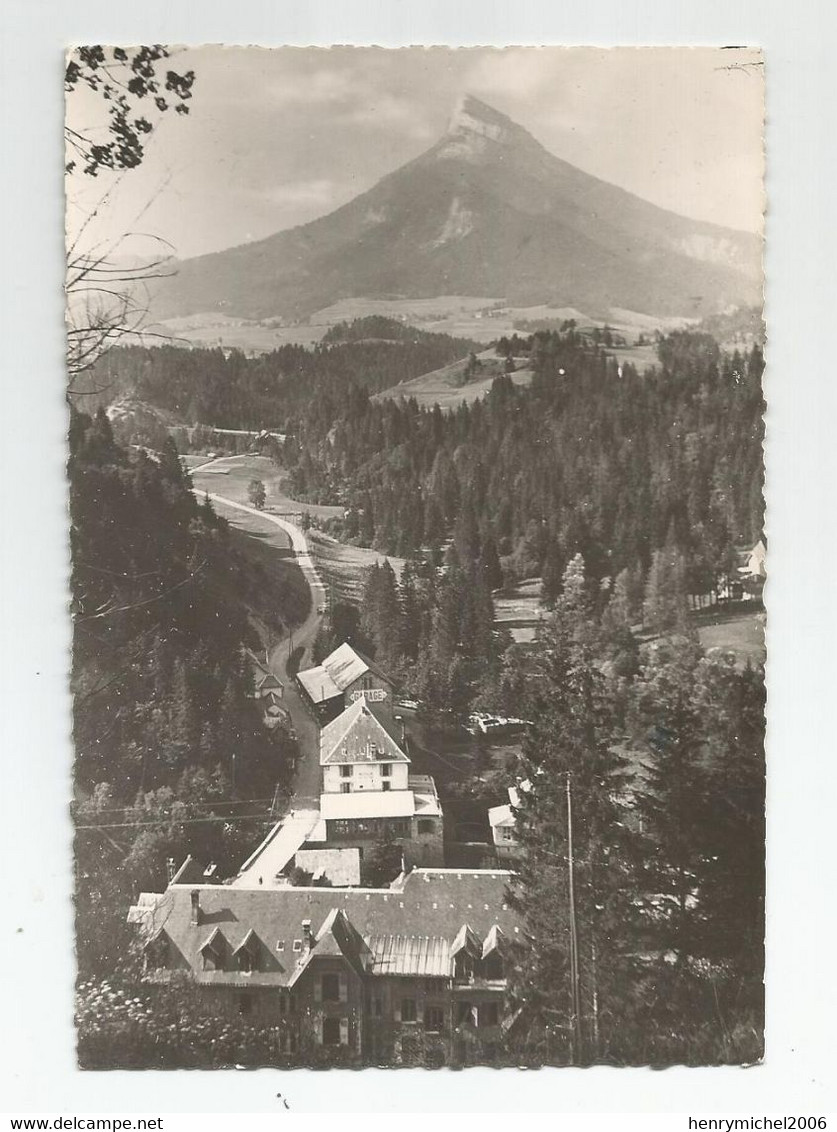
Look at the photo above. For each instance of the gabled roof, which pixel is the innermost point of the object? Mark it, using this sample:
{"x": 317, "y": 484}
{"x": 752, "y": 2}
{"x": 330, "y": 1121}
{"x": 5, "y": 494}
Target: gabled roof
{"x": 494, "y": 941}
{"x": 500, "y": 816}
{"x": 214, "y": 941}
{"x": 266, "y": 680}
{"x": 338, "y": 671}
{"x": 426, "y": 904}
{"x": 467, "y": 940}
{"x": 250, "y": 940}
{"x": 318, "y": 684}
{"x": 336, "y": 939}
{"x": 346, "y": 664}
{"x": 358, "y": 736}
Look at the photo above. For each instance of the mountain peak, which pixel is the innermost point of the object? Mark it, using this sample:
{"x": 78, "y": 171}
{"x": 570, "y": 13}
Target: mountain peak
{"x": 474, "y": 115}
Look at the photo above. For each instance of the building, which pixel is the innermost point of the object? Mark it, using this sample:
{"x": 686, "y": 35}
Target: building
{"x": 503, "y": 825}
{"x": 412, "y": 974}
{"x": 756, "y": 565}
{"x": 343, "y": 677}
{"x": 268, "y": 692}
{"x": 368, "y": 792}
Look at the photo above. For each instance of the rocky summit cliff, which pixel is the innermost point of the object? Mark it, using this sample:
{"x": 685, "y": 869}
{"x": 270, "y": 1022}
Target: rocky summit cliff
{"x": 486, "y": 211}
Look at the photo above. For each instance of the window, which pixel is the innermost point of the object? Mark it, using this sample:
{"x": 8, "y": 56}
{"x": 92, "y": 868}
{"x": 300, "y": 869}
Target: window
{"x": 463, "y": 966}
{"x": 464, "y": 1013}
{"x": 489, "y": 1014}
{"x": 280, "y": 945}
{"x": 434, "y": 1019}
{"x": 212, "y": 960}
{"x": 507, "y": 833}
{"x": 408, "y": 1010}
{"x": 345, "y": 787}
{"x": 492, "y": 966}
{"x": 331, "y": 1031}
{"x": 331, "y": 988}
{"x": 346, "y": 771}
{"x": 425, "y": 825}
{"x": 245, "y": 1004}
{"x": 247, "y": 963}
{"x": 386, "y": 785}
{"x": 386, "y": 770}
{"x": 297, "y": 945}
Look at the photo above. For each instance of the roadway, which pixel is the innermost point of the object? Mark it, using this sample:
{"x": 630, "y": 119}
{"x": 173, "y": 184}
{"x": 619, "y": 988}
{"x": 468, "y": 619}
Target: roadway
{"x": 306, "y": 789}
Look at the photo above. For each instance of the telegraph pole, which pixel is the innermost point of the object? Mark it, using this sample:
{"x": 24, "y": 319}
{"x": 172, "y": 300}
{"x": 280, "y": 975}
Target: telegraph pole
{"x": 574, "y": 969}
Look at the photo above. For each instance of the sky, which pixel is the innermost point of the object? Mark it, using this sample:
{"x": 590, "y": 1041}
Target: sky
{"x": 278, "y": 137}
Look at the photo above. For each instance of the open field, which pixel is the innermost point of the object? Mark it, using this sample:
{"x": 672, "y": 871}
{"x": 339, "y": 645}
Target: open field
{"x": 480, "y": 318}
{"x": 211, "y": 330}
{"x": 342, "y": 567}
{"x": 444, "y": 387}
{"x": 231, "y": 475}
{"x": 520, "y": 604}
{"x": 741, "y": 633}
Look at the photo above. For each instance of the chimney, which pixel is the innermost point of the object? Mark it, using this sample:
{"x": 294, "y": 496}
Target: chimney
{"x": 306, "y": 932}
{"x": 196, "y": 906}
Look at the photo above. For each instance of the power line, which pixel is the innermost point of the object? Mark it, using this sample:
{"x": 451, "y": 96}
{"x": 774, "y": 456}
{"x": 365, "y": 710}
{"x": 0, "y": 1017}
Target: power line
{"x": 178, "y": 821}
{"x": 213, "y": 802}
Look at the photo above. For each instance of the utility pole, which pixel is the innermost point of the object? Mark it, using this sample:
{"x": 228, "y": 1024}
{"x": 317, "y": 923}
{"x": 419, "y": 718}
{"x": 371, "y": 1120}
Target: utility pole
{"x": 574, "y": 969}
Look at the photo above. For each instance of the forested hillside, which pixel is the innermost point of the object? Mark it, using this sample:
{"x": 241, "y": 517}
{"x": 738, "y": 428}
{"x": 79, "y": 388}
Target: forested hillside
{"x": 591, "y": 458}
{"x": 228, "y": 390}
{"x": 165, "y": 726}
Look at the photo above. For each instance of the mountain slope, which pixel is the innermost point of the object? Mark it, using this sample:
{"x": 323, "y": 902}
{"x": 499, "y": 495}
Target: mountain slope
{"x": 486, "y": 211}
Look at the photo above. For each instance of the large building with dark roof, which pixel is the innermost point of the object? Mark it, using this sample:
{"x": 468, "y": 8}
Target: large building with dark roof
{"x": 415, "y": 973}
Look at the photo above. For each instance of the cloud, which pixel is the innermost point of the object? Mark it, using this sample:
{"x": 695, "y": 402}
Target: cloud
{"x": 385, "y": 111}
{"x": 314, "y": 88}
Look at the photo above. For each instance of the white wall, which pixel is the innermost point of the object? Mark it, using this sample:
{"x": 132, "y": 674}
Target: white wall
{"x": 366, "y": 776}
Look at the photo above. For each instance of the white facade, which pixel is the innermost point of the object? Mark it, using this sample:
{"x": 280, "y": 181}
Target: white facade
{"x": 347, "y": 778}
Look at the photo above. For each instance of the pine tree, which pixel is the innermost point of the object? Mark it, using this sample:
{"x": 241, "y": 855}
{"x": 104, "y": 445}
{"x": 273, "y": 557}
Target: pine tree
{"x": 665, "y": 606}
{"x": 571, "y": 748}
{"x": 490, "y": 567}
{"x": 731, "y": 704}
{"x": 674, "y": 801}
{"x": 410, "y": 612}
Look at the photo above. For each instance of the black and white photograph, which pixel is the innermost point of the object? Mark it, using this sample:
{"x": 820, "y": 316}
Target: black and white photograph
{"x": 417, "y": 533}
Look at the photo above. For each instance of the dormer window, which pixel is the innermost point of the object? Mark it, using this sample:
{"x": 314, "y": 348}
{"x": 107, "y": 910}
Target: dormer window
{"x": 213, "y": 952}
{"x": 463, "y": 966}
{"x": 247, "y": 954}
{"x": 492, "y": 966}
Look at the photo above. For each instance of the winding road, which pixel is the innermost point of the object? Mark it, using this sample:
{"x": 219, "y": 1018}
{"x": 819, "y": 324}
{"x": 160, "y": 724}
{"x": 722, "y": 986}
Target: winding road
{"x": 307, "y": 777}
